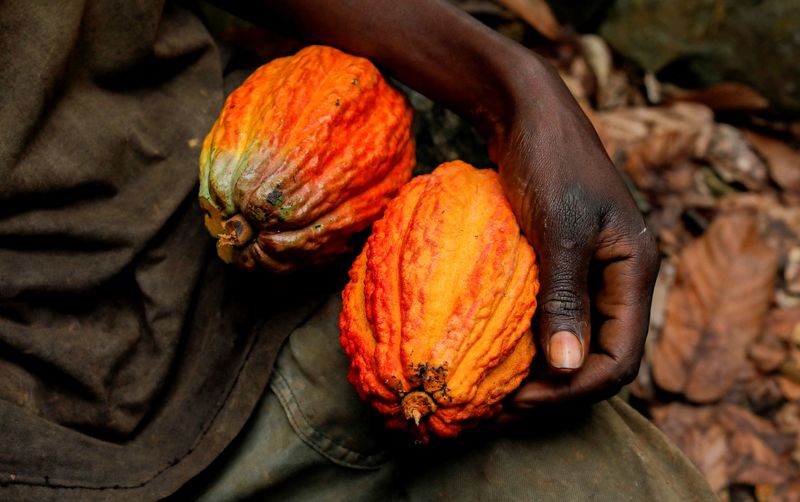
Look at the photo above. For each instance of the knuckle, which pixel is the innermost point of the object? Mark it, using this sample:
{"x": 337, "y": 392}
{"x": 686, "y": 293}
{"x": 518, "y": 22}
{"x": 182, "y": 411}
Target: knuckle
{"x": 649, "y": 249}
{"x": 633, "y": 237}
{"x": 626, "y": 373}
{"x": 561, "y": 301}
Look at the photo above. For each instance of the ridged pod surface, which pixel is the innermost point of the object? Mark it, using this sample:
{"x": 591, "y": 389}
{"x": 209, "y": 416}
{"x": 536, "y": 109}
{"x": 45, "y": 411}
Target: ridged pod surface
{"x": 436, "y": 316}
{"x": 305, "y": 153}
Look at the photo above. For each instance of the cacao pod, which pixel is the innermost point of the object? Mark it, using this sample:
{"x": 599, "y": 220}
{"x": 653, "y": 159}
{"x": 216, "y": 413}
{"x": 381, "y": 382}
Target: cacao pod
{"x": 305, "y": 153}
{"x": 437, "y": 312}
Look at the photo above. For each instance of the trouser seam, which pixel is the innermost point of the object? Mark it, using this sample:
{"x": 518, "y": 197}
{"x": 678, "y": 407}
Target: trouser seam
{"x": 317, "y": 440}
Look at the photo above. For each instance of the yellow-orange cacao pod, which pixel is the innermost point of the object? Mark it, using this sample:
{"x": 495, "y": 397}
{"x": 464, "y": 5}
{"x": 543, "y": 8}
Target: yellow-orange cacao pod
{"x": 305, "y": 153}
{"x": 436, "y": 316}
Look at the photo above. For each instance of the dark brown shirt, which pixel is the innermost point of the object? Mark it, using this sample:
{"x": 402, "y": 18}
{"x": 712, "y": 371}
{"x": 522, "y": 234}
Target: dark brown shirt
{"x": 129, "y": 356}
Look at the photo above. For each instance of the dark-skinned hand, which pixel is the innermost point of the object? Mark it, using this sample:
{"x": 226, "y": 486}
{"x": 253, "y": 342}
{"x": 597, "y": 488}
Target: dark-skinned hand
{"x": 597, "y": 260}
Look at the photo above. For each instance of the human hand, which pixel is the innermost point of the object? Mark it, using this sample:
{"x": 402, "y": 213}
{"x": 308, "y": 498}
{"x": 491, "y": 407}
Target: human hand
{"x": 597, "y": 260}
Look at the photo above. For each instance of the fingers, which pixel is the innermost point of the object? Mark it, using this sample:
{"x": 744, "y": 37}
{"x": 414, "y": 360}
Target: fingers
{"x": 598, "y": 379}
{"x": 622, "y": 306}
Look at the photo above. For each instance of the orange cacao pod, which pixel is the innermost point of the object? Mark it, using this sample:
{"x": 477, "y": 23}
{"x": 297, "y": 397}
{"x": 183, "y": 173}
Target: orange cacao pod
{"x": 305, "y": 153}
{"x": 437, "y": 312}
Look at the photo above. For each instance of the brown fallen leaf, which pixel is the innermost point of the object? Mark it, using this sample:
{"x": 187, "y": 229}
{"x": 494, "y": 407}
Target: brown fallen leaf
{"x": 732, "y": 157}
{"x": 779, "y": 222}
{"x": 791, "y": 366}
{"x": 611, "y": 87}
{"x": 761, "y": 450}
{"x": 597, "y": 54}
{"x": 789, "y": 492}
{"x": 783, "y": 160}
{"x": 724, "y": 96}
{"x": 642, "y": 140}
{"x": 538, "y": 15}
{"x": 738, "y": 420}
{"x": 788, "y": 419}
{"x": 789, "y": 388}
{"x": 755, "y": 463}
{"x": 716, "y": 308}
{"x": 791, "y": 272}
{"x": 782, "y": 323}
{"x": 619, "y": 92}
{"x": 731, "y": 445}
{"x": 703, "y": 440}
{"x": 670, "y": 220}
{"x": 768, "y": 353}
{"x": 763, "y": 393}
{"x": 764, "y": 493}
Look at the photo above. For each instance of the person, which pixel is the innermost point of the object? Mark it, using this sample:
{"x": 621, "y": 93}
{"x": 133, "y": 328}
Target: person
{"x": 134, "y": 365}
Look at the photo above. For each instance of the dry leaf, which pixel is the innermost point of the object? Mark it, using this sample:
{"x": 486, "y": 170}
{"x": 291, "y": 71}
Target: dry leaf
{"x": 780, "y": 223}
{"x": 788, "y": 419}
{"x": 613, "y": 87}
{"x": 721, "y": 294}
{"x": 642, "y": 140}
{"x": 764, "y": 493}
{"x": 789, "y": 388}
{"x": 729, "y": 444}
{"x": 755, "y": 462}
{"x": 580, "y": 71}
{"x": 783, "y": 160}
{"x": 697, "y": 434}
{"x": 791, "y": 271}
{"x": 730, "y": 155}
{"x": 784, "y": 300}
{"x": 668, "y": 224}
{"x": 763, "y": 393}
{"x": 791, "y": 366}
{"x": 618, "y": 92}
{"x": 725, "y": 96}
{"x": 538, "y": 15}
{"x": 789, "y": 492}
{"x": 782, "y": 323}
{"x": 598, "y": 56}
{"x": 768, "y": 353}
{"x": 737, "y": 419}
{"x": 760, "y": 449}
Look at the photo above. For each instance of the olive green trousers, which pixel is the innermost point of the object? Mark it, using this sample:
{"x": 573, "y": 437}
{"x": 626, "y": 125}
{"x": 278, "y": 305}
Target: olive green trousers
{"x": 311, "y": 438}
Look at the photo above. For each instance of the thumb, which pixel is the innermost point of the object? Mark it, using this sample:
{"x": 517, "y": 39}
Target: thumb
{"x": 564, "y": 328}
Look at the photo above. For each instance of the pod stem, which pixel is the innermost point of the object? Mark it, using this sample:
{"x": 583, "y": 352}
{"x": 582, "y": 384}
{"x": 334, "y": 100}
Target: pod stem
{"x": 236, "y": 232}
{"x": 417, "y": 404}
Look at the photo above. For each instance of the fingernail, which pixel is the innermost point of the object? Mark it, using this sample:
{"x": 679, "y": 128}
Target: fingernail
{"x": 565, "y": 350}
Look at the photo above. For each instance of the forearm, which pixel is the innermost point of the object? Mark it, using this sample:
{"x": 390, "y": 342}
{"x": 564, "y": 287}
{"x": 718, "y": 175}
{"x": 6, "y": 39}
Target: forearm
{"x": 428, "y": 44}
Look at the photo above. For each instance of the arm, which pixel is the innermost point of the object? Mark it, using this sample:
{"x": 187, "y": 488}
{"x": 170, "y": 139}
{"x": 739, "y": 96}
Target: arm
{"x": 564, "y": 190}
